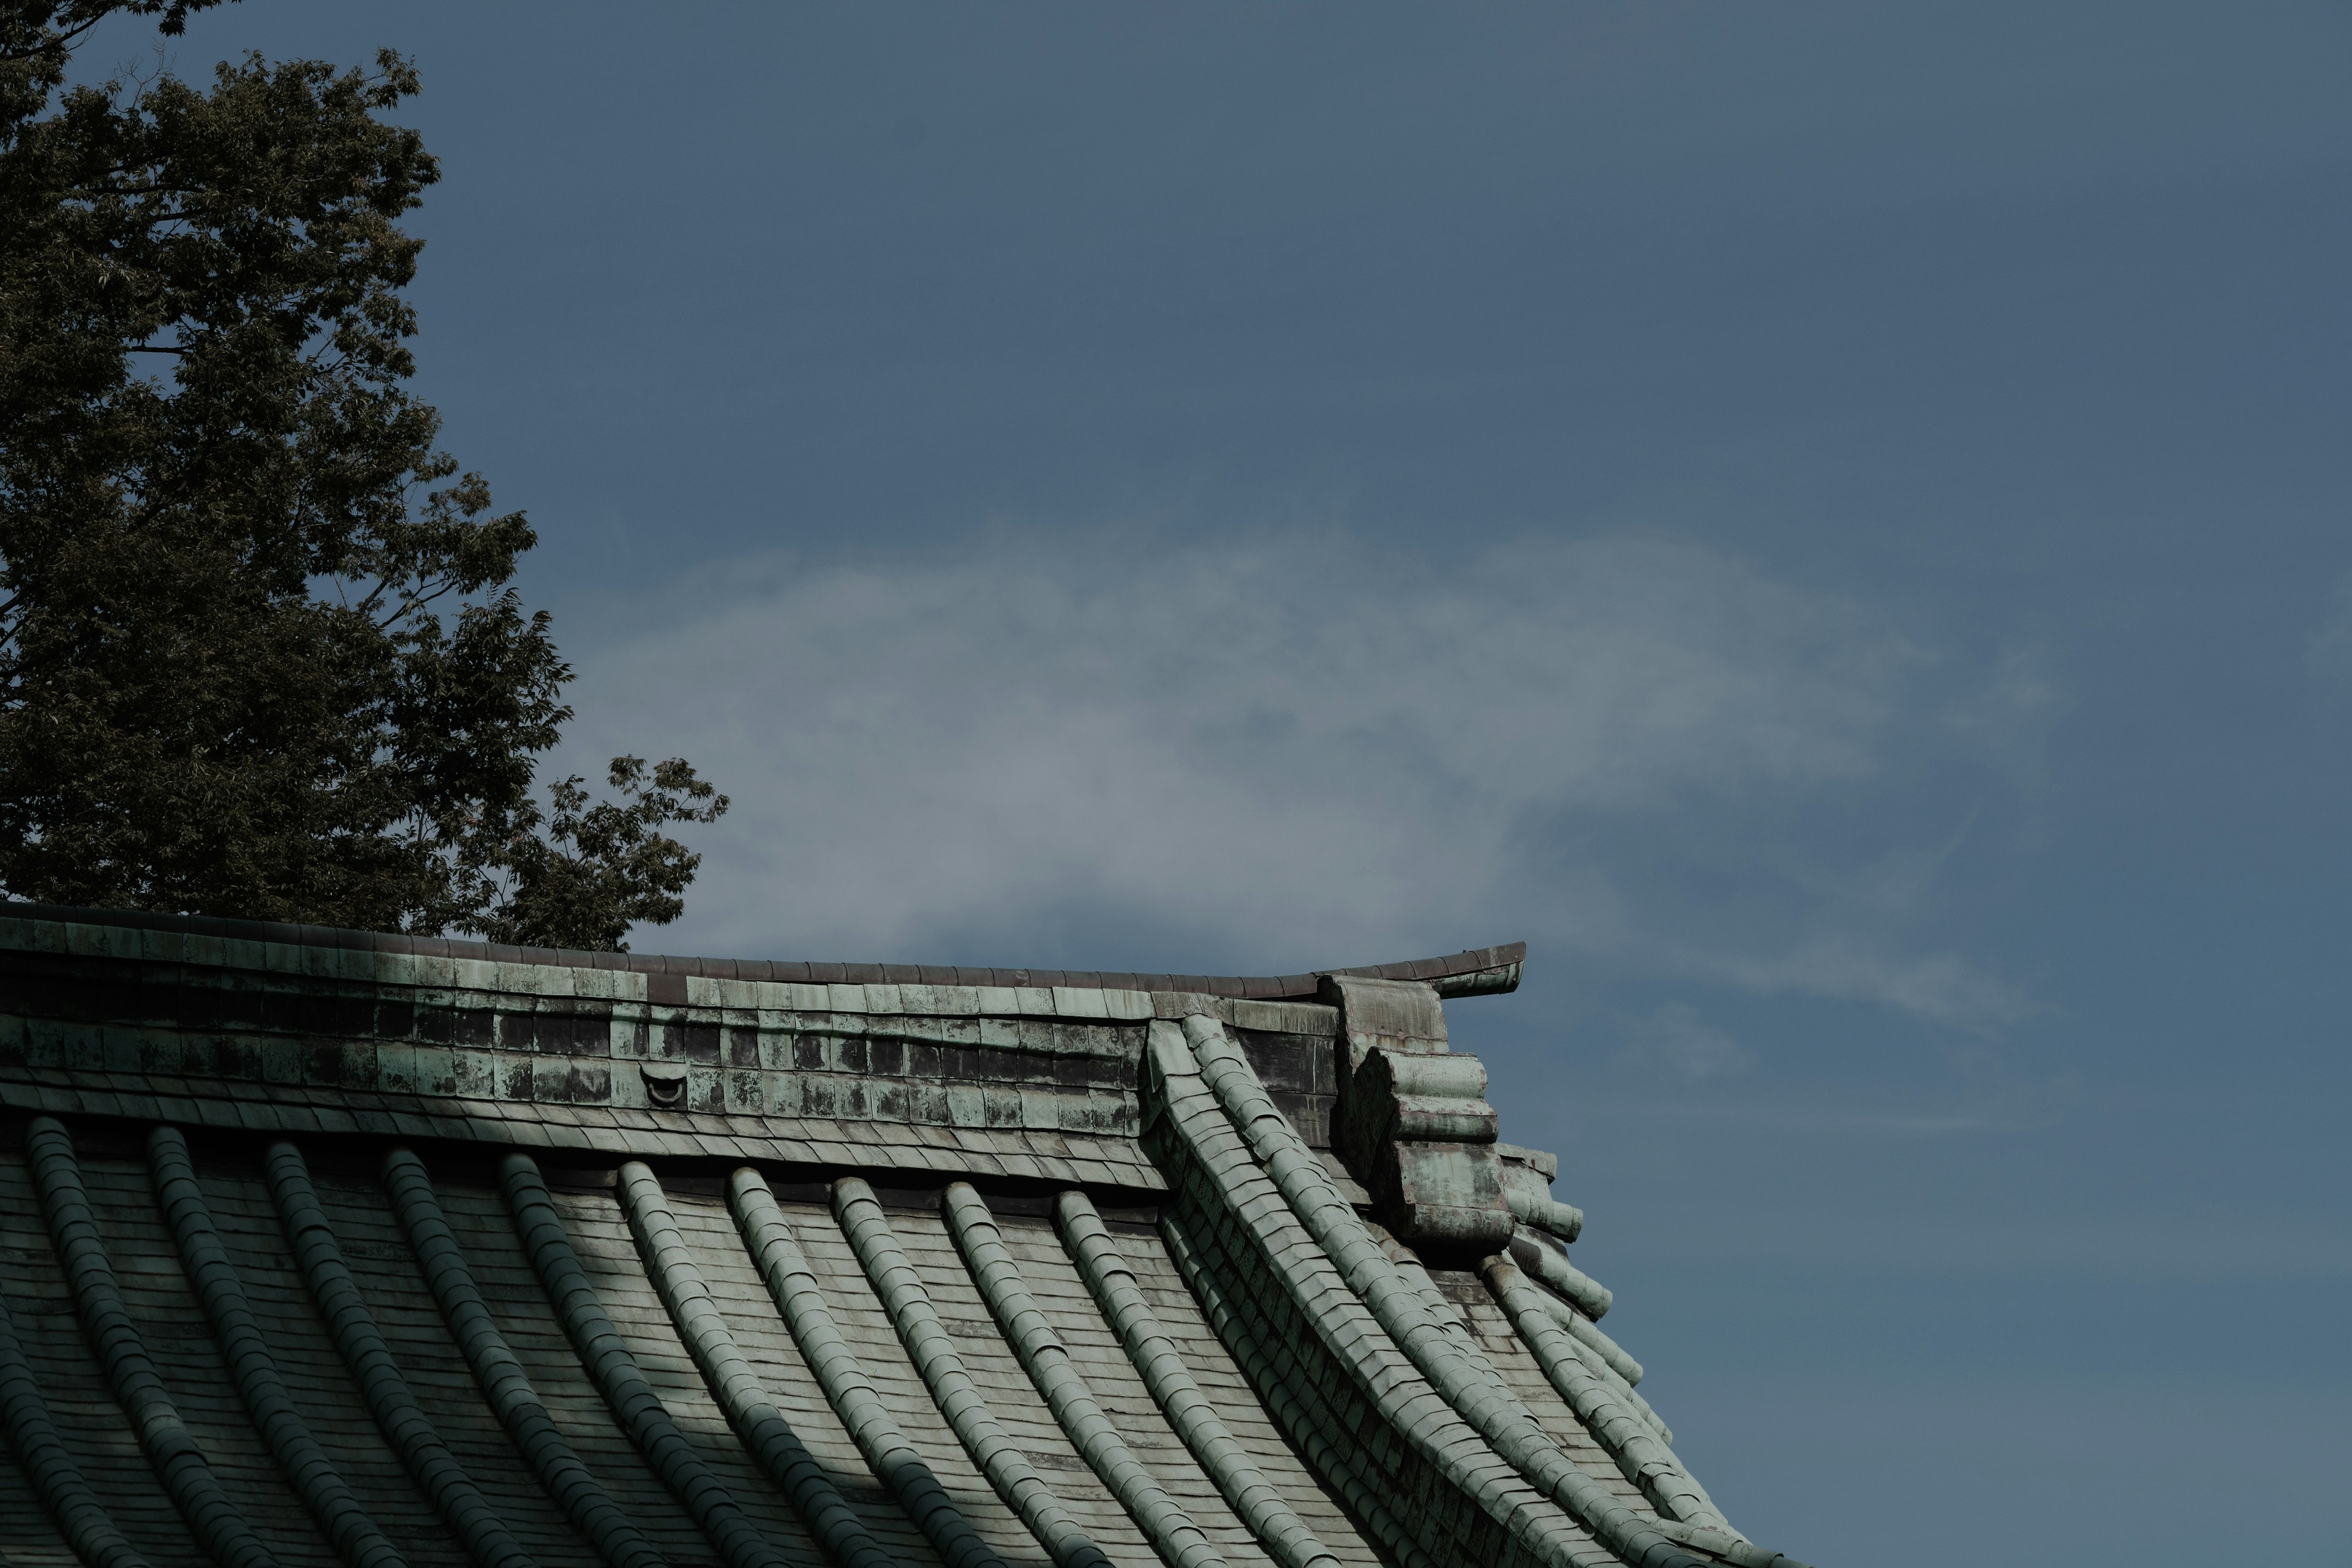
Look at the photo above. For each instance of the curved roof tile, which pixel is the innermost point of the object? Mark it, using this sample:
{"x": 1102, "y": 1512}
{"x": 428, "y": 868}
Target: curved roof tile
{"x": 634, "y": 1260}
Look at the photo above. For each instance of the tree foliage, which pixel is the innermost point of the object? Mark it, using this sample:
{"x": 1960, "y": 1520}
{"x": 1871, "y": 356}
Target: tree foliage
{"x": 261, "y": 649}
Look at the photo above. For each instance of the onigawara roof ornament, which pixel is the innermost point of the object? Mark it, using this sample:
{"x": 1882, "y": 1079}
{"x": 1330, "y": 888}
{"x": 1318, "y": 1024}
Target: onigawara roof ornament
{"x": 324, "y": 1247}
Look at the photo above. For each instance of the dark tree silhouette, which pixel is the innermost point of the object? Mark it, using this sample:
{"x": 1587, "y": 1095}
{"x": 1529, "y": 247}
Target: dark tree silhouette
{"x": 260, "y": 654}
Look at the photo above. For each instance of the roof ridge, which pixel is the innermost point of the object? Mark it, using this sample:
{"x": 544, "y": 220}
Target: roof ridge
{"x": 1474, "y": 971}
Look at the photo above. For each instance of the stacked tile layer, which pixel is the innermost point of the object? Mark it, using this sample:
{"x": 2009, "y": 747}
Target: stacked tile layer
{"x": 318, "y": 1247}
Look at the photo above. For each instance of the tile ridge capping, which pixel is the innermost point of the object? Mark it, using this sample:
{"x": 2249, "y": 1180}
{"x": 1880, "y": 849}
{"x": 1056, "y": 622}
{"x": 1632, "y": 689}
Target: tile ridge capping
{"x": 1474, "y": 971}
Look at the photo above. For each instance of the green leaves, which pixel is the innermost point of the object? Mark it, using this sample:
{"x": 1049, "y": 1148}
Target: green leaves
{"x": 258, "y": 651}
{"x": 603, "y": 865}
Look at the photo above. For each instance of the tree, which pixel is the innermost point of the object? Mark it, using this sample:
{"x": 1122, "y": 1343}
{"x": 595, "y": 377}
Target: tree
{"x": 260, "y": 652}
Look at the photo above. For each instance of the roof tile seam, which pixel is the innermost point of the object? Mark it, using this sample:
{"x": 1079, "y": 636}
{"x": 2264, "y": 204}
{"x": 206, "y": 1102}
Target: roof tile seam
{"x": 1639, "y": 1448}
{"x": 800, "y": 1300}
{"x": 1413, "y": 1314}
{"x": 49, "y": 1464}
{"x": 245, "y": 1350}
{"x": 1309, "y": 1435}
{"x": 171, "y": 1450}
{"x": 1596, "y": 1351}
{"x": 1497, "y": 1393}
{"x": 1172, "y": 1532}
{"x": 917, "y": 1323}
{"x": 1308, "y": 1189}
{"x": 614, "y": 1370}
{"x": 1537, "y": 1320}
{"x": 1253, "y": 1499}
{"x": 762, "y": 1428}
{"x": 498, "y": 1371}
{"x": 1584, "y": 1381}
{"x": 1400, "y": 1392}
{"x": 382, "y": 1385}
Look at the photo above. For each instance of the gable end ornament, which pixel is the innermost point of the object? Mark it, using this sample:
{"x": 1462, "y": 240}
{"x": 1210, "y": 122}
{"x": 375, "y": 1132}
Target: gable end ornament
{"x": 1412, "y": 1123}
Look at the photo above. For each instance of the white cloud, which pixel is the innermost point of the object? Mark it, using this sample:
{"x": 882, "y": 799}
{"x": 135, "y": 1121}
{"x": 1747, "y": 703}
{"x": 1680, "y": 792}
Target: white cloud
{"x": 1294, "y": 753}
{"x": 2327, "y": 652}
{"x": 1943, "y": 986}
{"x": 1675, "y": 1038}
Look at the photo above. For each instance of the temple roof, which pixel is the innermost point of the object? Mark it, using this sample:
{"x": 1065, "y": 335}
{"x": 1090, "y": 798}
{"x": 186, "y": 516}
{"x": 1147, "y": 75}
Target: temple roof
{"x": 320, "y": 1246}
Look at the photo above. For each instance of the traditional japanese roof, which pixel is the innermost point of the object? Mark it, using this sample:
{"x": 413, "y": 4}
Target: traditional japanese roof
{"x": 324, "y": 1246}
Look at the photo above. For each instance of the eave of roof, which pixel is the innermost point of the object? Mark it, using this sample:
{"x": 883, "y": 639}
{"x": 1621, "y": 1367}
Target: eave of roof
{"x": 1474, "y": 972}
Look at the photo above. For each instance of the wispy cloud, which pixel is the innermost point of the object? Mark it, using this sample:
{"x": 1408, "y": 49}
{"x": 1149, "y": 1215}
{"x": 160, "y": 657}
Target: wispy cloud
{"x": 1674, "y": 1038}
{"x": 2327, "y": 652}
{"x": 1943, "y": 986}
{"x": 1303, "y": 751}
{"x": 2016, "y": 1112}
{"x": 2063, "y": 1242}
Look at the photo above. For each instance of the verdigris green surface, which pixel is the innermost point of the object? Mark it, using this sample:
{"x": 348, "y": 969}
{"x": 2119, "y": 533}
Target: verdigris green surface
{"x": 337, "y": 1252}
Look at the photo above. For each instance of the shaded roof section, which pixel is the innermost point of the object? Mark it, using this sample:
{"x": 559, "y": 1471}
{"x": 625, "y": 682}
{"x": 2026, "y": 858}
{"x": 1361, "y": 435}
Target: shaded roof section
{"x": 1474, "y": 971}
{"x": 907, "y": 1271}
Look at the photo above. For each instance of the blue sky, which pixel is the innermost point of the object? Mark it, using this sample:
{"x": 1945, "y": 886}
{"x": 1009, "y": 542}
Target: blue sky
{"x": 1829, "y": 520}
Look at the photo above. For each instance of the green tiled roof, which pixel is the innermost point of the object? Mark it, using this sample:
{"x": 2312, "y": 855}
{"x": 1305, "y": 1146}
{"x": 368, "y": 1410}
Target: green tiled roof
{"x": 325, "y": 1247}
